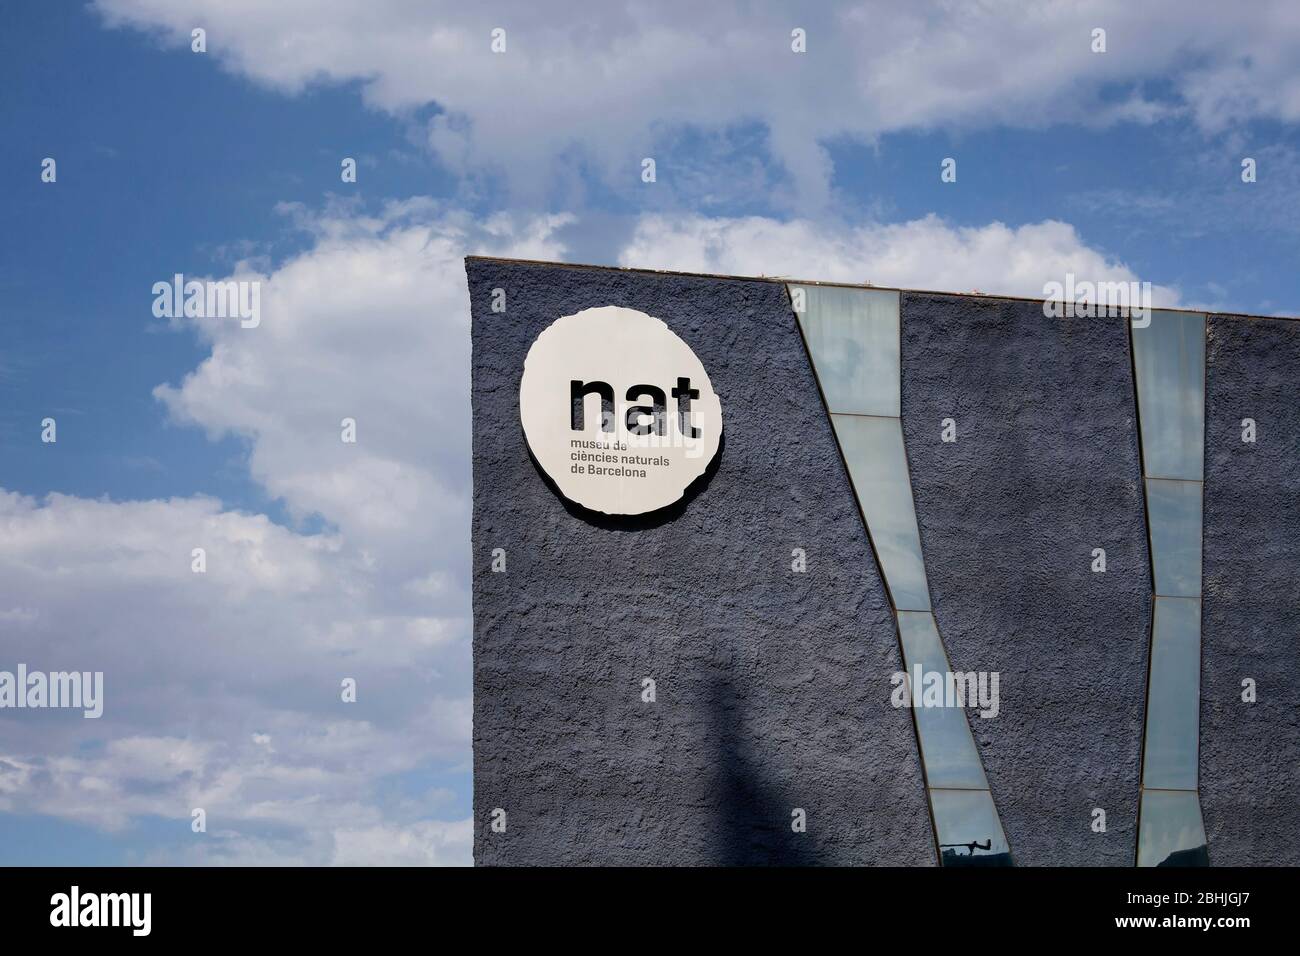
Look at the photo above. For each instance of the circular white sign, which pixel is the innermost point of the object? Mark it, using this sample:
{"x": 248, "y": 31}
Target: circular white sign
{"x": 618, "y": 411}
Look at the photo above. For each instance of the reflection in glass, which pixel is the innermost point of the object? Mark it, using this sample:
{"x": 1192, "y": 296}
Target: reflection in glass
{"x": 1172, "y": 833}
{"x": 873, "y": 449}
{"x": 1174, "y": 512}
{"x": 947, "y": 746}
{"x": 853, "y": 337}
{"x": 853, "y": 340}
{"x": 1169, "y": 358}
{"x": 1174, "y": 698}
{"x": 968, "y": 829}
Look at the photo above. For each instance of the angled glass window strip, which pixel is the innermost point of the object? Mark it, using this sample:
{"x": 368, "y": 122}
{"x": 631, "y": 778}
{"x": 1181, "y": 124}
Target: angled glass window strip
{"x": 947, "y": 746}
{"x": 1172, "y": 831}
{"x": 873, "y": 450}
{"x": 1169, "y": 366}
{"x": 853, "y": 335}
{"x": 969, "y": 832}
{"x": 853, "y": 341}
{"x": 1174, "y": 697}
{"x": 1169, "y": 361}
{"x": 1174, "y": 514}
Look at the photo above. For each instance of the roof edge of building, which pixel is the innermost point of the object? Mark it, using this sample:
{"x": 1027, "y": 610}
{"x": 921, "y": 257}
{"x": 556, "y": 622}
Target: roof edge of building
{"x": 791, "y": 280}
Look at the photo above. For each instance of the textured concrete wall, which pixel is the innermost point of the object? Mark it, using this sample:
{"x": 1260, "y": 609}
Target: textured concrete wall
{"x": 1250, "y": 753}
{"x": 772, "y": 686}
{"x": 1045, "y": 469}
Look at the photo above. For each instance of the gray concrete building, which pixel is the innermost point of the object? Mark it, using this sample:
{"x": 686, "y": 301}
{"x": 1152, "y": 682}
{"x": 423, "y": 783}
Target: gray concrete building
{"x": 1088, "y": 525}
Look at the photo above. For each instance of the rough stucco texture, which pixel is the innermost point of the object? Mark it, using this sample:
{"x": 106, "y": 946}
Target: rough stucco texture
{"x": 1250, "y": 616}
{"x": 772, "y": 686}
{"x": 1045, "y": 469}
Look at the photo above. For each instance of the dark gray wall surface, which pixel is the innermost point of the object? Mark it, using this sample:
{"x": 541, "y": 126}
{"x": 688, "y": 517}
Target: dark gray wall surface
{"x": 1045, "y": 469}
{"x": 773, "y": 687}
{"x": 1250, "y": 623}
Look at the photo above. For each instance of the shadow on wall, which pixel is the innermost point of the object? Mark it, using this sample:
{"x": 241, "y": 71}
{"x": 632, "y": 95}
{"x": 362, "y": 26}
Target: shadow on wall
{"x": 755, "y": 815}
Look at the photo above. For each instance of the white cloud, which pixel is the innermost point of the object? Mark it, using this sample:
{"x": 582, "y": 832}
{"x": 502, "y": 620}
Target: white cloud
{"x": 412, "y": 846}
{"x": 614, "y": 79}
{"x": 925, "y": 253}
{"x": 202, "y": 671}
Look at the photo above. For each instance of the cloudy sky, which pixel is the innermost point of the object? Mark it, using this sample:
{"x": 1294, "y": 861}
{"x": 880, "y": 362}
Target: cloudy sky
{"x": 329, "y": 560}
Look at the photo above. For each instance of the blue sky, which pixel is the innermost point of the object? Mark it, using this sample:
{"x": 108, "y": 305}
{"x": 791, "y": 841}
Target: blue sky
{"x": 1123, "y": 164}
{"x": 162, "y": 159}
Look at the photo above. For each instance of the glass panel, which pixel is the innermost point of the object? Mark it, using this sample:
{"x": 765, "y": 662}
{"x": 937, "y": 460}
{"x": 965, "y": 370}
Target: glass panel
{"x": 1174, "y": 699}
{"x": 1174, "y": 511}
{"x": 852, "y": 335}
{"x": 1171, "y": 833}
{"x": 968, "y": 828}
{"x": 947, "y": 746}
{"x": 1169, "y": 357}
{"x": 873, "y": 449}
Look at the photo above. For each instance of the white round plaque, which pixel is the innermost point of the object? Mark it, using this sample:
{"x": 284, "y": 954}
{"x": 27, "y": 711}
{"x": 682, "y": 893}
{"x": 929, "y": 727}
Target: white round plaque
{"x": 618, "y": 411}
